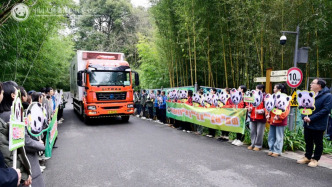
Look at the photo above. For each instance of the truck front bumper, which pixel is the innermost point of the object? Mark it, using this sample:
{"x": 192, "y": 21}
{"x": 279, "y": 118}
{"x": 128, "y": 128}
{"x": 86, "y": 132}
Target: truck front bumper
{"x": 109, "y": 109}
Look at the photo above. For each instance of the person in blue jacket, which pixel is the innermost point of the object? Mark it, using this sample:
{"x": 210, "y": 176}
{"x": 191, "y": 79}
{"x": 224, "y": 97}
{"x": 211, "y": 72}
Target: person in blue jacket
{"x": 156, "y": 106}
{"x": 316, "y": 123}
{"x": 162, "y": 107}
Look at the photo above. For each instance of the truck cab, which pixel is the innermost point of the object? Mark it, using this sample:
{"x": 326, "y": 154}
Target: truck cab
{"x": 102, "y": 85}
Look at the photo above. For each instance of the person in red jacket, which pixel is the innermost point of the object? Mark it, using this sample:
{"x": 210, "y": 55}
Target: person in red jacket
{"x": 257, "y": 122}
{"x": 228, "y": 104}
{"x": 277, "y": 126}
{"x": 240, "y": 137}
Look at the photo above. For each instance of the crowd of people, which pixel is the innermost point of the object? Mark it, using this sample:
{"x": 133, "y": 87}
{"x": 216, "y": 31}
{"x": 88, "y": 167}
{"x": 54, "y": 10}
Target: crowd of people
{"x": 30, "y": 158}
{"x": 152, "y": 106}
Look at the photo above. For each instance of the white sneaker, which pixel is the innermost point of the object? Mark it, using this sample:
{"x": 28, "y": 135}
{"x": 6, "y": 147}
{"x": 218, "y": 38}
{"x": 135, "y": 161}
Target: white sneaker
{"x": 143, "y": 117}
{"x": 137, "y": 116}
{"x": 238, "y": 143}
{"x": 234, "y": 141}
{"x": 210, "y": 136}
{"x": 43, "y": 157}
{"x": 188, "y": 131}
{"x": 184, "y": 130}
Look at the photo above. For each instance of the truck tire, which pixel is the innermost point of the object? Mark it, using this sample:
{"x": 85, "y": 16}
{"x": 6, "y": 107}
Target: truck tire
{"x": 86, "y": 119}
{"x": 125, "y": 118}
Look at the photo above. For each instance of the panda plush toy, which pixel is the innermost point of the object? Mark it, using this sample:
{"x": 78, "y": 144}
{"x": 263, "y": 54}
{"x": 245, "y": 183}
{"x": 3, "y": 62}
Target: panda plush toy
{"x": 236, "y": 96}
{"x": 306, "y": 101}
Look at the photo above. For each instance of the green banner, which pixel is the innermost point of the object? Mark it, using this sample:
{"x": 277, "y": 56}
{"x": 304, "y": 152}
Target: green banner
{"x": 52, "y": 133}
{"x": 226, "y": 119}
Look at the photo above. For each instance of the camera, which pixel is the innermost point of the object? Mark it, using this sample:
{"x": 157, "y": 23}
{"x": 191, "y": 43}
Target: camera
{"x": 283, "y": 40}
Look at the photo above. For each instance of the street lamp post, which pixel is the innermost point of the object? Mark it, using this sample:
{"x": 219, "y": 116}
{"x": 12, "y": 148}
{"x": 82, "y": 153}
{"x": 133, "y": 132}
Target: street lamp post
{"x": 292, "y": 112}
{"x": 296, "y": 42}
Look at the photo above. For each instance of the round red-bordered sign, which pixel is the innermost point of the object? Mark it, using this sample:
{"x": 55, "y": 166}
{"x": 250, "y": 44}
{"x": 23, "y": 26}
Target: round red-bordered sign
{"x": 294, "y": 77}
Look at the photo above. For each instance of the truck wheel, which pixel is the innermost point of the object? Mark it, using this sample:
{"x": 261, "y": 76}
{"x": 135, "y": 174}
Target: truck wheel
{"x": 86, "y": 119}
{"x": 125, "y": 118}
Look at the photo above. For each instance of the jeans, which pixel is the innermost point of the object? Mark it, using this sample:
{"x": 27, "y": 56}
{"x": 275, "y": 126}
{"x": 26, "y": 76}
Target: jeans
{"x": 257, "y": 133}
{"x": 276, "y": 138}
{"x": 312, "y": 137}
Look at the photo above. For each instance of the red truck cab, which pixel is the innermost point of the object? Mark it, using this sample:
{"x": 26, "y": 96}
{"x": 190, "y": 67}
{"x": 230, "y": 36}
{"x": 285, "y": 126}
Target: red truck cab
{"x": 104, "y": 85}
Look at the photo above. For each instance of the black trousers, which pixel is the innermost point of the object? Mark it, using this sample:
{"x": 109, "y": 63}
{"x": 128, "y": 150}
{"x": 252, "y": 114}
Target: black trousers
{"x": 158, "y": 113}
{"x": 150, "y": 112}
{"x": 163, "y": 115}
{"x": 60, "y": 114}
{"x": 312, "y": 137}
{"x": 240, "y": 136}
{"x": 212, "y": 132}
{"x": 224, "y": 133}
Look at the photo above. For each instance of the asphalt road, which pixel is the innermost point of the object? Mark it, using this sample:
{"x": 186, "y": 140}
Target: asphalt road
{"x": 144, "y": 153}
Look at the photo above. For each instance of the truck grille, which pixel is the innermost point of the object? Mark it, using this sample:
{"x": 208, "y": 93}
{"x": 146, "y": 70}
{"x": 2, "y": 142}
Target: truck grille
{"x": 111, "y": 96}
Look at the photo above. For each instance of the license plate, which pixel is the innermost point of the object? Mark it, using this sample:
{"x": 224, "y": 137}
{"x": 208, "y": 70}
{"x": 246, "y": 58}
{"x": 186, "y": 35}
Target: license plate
{"x": 113, "y": 112}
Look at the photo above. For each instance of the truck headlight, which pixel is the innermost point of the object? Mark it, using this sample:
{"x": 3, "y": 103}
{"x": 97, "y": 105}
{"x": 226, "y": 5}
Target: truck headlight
{"x": 92, "y": 107}
{"x": 130, "y": 106}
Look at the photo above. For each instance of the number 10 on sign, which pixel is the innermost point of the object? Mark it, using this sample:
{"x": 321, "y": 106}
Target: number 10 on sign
{"x": 294, "y": 77}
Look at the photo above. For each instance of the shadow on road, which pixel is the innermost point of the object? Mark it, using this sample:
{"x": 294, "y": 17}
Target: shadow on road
{"x": 103, "y": 121}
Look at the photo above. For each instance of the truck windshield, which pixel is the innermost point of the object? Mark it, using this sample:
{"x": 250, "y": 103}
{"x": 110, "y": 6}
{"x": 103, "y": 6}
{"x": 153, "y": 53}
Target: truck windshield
{"x": 109, "y": 78}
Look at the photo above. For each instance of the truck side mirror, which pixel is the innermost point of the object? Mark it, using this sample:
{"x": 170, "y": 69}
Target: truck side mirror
{"x": 136, "y": 79}
{"x": 79, "y": 78}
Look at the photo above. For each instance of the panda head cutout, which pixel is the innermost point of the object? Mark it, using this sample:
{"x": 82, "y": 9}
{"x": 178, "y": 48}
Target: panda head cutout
{"x": 197, "y": 98}
{"x": 248, "y": 97}
{"x": 224, "y": 96}
{"x": 269, "y": 102}
{"x": 37, "y": 119}
{"x": 257, "y": 98}
{"x": 306, "y": 99}
{"x": 208, "y": 98}
{"x": 236, "y": 96}
{"x": 172, "y": 94}
{"x": 18, "y": 109}
{"x": 183, "y": 94}
{"x": 281, "y": 101}
{"x": 215, "y": 99}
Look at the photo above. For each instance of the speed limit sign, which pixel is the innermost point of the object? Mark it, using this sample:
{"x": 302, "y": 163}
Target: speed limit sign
{"x": 294, "y": 77}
